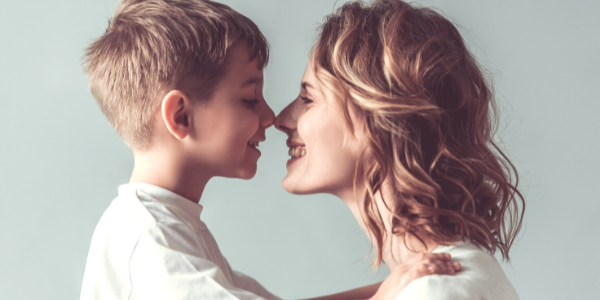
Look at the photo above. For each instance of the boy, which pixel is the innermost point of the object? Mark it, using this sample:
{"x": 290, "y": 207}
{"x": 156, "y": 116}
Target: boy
{"x": 181, "y": 83}
{"x": 155, "y": 73}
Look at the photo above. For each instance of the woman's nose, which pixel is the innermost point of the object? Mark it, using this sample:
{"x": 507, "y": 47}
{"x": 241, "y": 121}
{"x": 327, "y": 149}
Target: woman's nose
{"x": 286, "y": 120}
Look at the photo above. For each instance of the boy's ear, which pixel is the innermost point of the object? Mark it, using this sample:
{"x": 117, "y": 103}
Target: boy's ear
{"x": 176, "y": 112}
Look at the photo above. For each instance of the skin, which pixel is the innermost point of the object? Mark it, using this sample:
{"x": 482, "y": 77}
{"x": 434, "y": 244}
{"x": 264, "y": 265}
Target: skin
{"x": 332, "y": 153}
{"x": 194, "y": 141}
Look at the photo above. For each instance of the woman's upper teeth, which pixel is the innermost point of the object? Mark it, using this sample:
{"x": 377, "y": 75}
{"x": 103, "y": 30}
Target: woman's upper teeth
{"x": 297, "y": 151}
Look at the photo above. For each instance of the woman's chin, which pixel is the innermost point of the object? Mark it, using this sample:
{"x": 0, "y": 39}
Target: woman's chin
{"x": 294, "y": 186}
{"x": 288, "y": 185}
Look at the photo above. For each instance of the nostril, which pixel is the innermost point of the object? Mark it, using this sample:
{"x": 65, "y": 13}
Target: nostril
{"x": 277, "y": 123}
{"x": 269, "y": 124}
{"x": 282, "y": 128}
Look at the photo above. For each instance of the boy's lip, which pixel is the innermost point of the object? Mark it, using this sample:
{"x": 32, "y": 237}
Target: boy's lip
{"x": 257, "y": 140}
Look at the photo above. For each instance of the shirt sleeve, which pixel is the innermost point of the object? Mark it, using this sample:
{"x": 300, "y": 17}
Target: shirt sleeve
{"x": 245, "y": 282}
{"x": 439, "y": 287}
{"x": 168, "y": 263}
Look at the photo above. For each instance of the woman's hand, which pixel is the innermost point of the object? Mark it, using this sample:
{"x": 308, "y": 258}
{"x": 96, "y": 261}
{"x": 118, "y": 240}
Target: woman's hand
{"x": 421, "y": 265}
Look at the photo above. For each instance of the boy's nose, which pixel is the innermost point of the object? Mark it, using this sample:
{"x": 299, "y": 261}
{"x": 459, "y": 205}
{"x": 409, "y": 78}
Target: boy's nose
{"x": 268, "y": 117}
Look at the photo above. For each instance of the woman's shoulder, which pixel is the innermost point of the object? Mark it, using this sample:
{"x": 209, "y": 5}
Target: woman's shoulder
{"x": 475, "y": 262}
{"x": 439, "y": 287}
{"x": 481, "y": 277}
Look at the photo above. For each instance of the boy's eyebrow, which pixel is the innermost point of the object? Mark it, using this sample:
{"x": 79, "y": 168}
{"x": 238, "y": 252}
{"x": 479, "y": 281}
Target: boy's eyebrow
{"x": 253, "y": 80}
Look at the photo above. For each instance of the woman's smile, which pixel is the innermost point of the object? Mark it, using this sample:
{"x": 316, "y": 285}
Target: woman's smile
{"x": 323, "y": 151}
{"x": 297, "y": 151}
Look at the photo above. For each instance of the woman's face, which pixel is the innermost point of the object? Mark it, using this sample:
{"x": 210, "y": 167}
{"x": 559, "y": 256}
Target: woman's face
{"x": 324, "y": 151}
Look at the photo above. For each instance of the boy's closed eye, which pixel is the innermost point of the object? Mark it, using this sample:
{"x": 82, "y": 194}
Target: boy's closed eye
{"x": 250, "y": 103}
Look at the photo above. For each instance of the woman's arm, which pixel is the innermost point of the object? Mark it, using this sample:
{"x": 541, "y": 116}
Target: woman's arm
{"x": 365, "y": 292}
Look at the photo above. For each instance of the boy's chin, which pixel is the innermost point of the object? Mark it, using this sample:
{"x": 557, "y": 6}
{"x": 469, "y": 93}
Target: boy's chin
{"x": 247, "y": 173}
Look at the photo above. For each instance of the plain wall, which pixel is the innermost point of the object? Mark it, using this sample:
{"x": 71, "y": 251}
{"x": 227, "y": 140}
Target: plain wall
{"x": 61, "y": 163}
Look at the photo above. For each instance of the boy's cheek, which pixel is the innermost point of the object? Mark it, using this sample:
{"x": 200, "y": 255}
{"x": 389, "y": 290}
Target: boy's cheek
{"x": 232, "y": 148}
{"x": 224, "y": 140}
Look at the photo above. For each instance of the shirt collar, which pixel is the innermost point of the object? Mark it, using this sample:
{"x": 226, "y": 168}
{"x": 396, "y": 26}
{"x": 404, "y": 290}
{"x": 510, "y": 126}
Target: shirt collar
{"x": 163, "y": 195}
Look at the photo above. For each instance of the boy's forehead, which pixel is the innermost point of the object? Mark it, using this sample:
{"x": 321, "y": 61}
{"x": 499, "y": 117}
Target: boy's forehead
{"x": 240, "y": 52}
{"x": 241, "y": 64}
{"x": 253, "y": 80}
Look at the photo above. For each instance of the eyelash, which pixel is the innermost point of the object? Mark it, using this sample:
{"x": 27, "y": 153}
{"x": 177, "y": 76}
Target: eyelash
{"x": 306, "y": 101}
{"x": 251, "y": 103}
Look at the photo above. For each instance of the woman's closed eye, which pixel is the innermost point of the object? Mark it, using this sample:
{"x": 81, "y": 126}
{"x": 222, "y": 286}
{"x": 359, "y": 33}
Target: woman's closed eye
{"x": 306, "y": 101}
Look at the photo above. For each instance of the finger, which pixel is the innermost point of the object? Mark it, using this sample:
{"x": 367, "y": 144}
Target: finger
{"x": 457, "y": 267}
{"x": 444, "y": 256}
{"x": 420, "y": 270}
{"x": 431, "y": 256}
{"x": 440, "y": 256}
{"x": 441, "y": 268}
{"x": 450, "y": 268}
{"x": 438, "y": 268}
{"x": 434, "y": 269}
{"x": 423, "y": 270}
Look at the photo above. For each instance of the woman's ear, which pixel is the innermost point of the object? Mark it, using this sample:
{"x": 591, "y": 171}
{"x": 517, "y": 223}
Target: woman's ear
{"x": 176, "y": 111}
{"x": 357, "y": 119}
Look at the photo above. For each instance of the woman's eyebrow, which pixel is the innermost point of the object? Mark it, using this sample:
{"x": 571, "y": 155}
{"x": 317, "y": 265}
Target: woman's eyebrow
{"x": 306, "y": 84}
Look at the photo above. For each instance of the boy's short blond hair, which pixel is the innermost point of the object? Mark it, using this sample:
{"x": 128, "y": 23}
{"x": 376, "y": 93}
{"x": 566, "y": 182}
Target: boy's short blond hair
{"x": 153, "y": 46}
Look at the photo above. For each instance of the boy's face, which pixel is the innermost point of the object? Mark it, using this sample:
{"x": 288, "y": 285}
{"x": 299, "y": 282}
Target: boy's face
{"x": 230, "y": 126}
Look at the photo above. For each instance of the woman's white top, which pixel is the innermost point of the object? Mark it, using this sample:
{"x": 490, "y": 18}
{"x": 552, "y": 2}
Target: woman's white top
{"x": 151, "y": 244}
{"x": 481, "y": 278}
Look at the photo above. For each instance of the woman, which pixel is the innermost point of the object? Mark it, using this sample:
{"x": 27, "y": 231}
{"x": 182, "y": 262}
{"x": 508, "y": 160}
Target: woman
{"x": 396, "y": 118}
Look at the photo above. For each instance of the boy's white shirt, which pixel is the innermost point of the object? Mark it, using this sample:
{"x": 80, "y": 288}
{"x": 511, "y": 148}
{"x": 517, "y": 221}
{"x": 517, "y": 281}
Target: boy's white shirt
{"x": 481, "y": 277}
{"x": 151, "y": 244}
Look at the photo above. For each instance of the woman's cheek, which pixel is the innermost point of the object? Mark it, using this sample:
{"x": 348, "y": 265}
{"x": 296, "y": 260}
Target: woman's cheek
{"x": 304, "y": 128}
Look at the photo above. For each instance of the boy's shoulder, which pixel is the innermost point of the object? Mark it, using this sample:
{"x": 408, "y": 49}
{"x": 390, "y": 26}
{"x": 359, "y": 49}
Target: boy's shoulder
{"x": 139, "y": 206}
{"x": 148, "y": 235}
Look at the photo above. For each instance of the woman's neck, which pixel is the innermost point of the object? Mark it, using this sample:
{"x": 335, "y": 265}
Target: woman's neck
{"x": 396, "y": 248}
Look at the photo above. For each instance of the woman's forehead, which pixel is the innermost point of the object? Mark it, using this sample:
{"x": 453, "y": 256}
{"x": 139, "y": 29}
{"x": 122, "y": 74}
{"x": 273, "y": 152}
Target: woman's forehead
{"x": 309, "y": 80}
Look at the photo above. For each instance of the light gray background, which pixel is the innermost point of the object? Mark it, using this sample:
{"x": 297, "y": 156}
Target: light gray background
{"x": 61, "y": 163}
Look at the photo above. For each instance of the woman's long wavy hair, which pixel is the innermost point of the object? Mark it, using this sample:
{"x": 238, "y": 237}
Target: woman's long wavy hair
{"x": 429, "y": 116}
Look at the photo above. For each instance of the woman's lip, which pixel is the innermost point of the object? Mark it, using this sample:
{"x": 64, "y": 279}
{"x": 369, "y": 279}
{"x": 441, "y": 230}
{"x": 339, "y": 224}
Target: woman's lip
{"x": 291, "y": 144}
{"x": 292, "y": 160}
